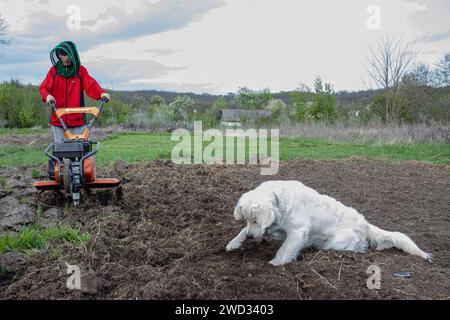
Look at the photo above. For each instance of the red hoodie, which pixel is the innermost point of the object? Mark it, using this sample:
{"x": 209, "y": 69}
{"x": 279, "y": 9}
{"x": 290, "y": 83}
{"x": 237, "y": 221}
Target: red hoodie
{"x": 68, "y": 92}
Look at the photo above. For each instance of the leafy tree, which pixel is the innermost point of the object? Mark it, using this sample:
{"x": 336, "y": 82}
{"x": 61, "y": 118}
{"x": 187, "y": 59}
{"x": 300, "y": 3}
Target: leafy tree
{"x": 278, "y": 109}
{"x": 138, "y": 104}
{"x": 324, "y": 103}
{"x": 157, "y": 100}
{"x": 179, "y": 107}
{"x": 300, "y": 111}
{"x": 250, "y": 99}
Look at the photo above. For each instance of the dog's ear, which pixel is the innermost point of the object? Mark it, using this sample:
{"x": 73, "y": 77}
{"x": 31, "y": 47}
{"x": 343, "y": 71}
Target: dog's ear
{"x": 278, "y": 203}
{"x": 278, "y": 206}
{"x": 277, "y": 199}
{"x": 238, "y": 213}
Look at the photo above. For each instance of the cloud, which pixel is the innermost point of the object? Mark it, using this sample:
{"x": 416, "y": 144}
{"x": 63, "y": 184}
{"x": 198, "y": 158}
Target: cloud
{"x": 172, "y": 86}
{"x": 37, "y": 26}
{"x": 113, "y": 21}
{"x": 433, "y": 20}
{"x": 437, "y": 37}
{"x": 122, "y": 73}
{"x": 159, "y": 52}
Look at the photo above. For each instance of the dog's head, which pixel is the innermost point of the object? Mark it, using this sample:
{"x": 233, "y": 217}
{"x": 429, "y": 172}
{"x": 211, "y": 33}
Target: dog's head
{"x": 260, "y": 211}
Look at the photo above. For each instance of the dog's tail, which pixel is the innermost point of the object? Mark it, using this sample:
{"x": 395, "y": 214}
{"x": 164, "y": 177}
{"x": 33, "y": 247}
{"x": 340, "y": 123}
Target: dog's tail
{"x": 382, "y": 239}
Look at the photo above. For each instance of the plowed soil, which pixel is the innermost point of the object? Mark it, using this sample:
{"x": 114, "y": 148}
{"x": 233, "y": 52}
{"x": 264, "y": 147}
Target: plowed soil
{"x": 163, "y": 235}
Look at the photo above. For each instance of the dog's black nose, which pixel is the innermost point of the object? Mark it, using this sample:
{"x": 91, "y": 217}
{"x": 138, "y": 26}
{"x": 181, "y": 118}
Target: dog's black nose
{"x": 249, "y": 236}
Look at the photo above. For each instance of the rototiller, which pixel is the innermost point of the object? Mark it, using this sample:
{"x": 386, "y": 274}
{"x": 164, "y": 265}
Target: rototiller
{"x": 72, "y": 166}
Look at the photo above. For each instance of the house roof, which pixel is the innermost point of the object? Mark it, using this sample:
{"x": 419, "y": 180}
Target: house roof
{"x": 236, "y": 115}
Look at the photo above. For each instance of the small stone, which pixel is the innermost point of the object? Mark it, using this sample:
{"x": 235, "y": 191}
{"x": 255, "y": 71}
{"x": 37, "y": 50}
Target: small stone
{"x": 19, "y": 217}
{"x": 402, "y": 274}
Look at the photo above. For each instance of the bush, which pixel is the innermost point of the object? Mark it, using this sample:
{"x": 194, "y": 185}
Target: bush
{"x": 139, "y": 120}
{"x": 278, "y": 109}
{"x": 115, "y": 112}
{"x": 162, "y": 118}
{"x": 21, "y": 106}
{"x": 389, "y": 107}
{"x": 300, "y": 110}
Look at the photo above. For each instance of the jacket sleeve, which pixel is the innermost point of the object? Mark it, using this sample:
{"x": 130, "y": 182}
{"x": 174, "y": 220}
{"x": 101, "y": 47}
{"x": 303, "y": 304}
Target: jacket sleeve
{"x": 46, "y": 86}
{"x": 90, "y": 85}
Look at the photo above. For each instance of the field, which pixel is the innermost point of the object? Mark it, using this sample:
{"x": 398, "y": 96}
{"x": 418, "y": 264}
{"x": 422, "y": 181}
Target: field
{"x": 162, "y": 235}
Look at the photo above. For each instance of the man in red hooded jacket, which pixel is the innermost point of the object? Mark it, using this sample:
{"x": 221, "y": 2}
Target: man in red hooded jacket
{"x": 64, "y": 85}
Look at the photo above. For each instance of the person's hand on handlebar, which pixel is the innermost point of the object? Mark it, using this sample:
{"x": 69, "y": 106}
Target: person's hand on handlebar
{"x": 50, "y": 99}
{"x": 106, "y": 96}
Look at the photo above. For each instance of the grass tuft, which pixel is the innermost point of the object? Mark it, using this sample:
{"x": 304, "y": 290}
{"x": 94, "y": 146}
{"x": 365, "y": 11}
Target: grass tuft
{"x": 37, "y": 237}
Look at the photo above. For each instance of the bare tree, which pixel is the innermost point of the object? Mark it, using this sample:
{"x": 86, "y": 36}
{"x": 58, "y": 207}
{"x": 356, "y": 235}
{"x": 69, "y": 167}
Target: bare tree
{"x": 442, "y": 72}
{"x": 388, "y": 62}
{"x": 421, "y": 74}
{"x": 3, "y": 29}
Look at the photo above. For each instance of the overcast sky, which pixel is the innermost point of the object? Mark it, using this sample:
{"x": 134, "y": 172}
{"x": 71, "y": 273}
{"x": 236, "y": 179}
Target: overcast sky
{"x": 217, "y": 46}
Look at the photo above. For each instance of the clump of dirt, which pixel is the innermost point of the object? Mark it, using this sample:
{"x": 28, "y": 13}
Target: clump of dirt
{"x": 17, "y": 203}
{"x": 162, "y": 235}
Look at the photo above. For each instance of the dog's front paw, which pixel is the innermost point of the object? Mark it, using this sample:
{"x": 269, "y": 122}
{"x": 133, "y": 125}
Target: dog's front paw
{"x": 277, "y": 262}
{"x": 233, "y": 245}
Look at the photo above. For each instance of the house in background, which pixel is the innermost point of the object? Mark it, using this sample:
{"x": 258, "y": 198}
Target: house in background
{"x": 236, "y": 117}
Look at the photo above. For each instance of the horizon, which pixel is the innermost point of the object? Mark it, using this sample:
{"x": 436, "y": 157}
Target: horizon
{"x": 204, "y": 93}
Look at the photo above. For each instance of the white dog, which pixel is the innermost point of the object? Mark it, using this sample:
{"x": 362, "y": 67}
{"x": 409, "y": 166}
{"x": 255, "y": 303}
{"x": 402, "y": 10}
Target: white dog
{"x": 303, "y": 217}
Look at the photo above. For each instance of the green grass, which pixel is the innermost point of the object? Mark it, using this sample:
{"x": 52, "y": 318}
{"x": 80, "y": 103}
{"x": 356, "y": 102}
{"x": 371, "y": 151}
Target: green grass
{"x": 141, "y": 146}
{"x": 132, "y": 147}
{"x": 37, "y": 237}
{"x": 12, "y": 155}
{"x": 147, "y": 147}
{"x": 35, "y": 173}
{"x": 292, "y": 148}
{"x": 38, "y": 214}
